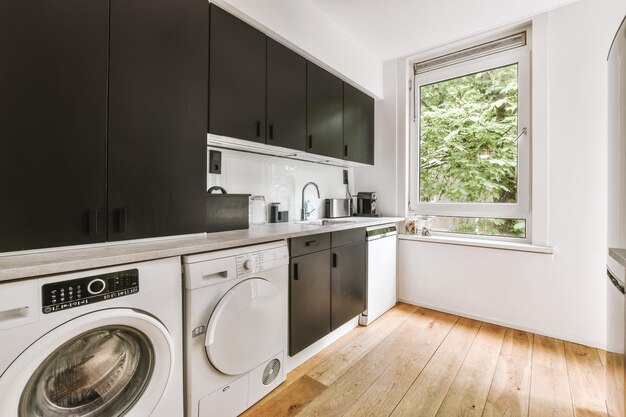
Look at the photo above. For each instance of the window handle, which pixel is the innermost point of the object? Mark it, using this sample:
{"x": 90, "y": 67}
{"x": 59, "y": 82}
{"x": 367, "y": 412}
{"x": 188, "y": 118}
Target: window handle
{"x": 522, "y": 133}
{"x": 258, "y": 129}
{"x": 295, "y": 272}
{"x": 310, "y": 141}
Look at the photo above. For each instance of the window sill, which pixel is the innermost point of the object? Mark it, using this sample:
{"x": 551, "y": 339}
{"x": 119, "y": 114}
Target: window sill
{"x": 490, "y": 244}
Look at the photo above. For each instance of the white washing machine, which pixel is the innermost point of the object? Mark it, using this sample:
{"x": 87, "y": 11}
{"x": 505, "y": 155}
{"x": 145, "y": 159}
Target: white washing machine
{"x": 235, "y": 327}
{"x": 96, "y": 343}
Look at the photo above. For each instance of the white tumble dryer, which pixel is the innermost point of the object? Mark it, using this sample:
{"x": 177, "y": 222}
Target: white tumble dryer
{"x": 97, "y": 343}
{"x": 235, "y": 327}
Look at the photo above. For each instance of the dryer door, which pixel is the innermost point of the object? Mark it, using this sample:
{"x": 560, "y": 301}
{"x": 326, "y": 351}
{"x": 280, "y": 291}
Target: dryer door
{"x": 245, "y": 327}
{"x": 109, "y": 363}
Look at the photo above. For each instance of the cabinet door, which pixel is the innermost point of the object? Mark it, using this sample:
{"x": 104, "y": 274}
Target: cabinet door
{"x": 324, "y": 112}
{"x": 358, "y": 125}
{"x": 286, "y": 97}
{"x": 53, "y": 86}
{"x": 157, "y": 118}
{"x": 348, "y": 283}
{"x": 237, "y": 78}
{"x": 309, "y": 300}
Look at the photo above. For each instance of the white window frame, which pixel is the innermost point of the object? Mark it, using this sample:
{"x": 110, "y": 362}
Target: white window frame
{"x": 522, "y": 208}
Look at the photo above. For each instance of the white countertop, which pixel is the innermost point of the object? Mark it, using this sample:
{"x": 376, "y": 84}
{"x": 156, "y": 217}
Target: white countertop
{"x": 46, "y": 262}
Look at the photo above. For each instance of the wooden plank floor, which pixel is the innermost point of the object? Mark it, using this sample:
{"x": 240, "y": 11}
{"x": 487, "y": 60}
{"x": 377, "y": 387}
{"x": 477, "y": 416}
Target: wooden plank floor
{"x": 423, "y": 363}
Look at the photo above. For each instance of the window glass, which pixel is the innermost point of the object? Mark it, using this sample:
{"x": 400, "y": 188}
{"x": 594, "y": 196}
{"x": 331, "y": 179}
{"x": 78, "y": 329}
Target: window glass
{"x": 515, "y": 228}
{"x": 468, "y": 149}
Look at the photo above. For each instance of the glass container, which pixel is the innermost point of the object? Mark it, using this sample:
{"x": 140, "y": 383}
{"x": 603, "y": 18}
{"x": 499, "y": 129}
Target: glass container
{"x": 258, "y": 209}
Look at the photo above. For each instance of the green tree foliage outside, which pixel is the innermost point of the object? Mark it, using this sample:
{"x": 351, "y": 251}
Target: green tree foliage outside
{"x": 468, "y": 145}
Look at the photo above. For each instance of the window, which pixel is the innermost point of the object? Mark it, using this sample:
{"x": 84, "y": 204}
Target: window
{"x": 470, "y": 151}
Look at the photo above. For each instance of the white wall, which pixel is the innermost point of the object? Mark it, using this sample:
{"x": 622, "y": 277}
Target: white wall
{"x": 402, "y": 27}
{"x": 304, "y": 27}
{"x": 561, "y": 295}
{"x": 382, "y": 177}
{"x": 280, "y": 180}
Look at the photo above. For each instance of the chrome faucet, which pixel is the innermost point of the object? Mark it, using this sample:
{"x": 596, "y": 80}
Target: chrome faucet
{"x": 303, "y": 213}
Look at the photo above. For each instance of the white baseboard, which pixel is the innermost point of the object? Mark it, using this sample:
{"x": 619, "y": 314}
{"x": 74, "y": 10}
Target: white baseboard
{"x": 539, "y": 331}
{"x": 299, "y": 358}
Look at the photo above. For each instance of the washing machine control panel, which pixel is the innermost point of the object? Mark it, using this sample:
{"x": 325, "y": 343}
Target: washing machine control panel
{"x": 58, "y": 296}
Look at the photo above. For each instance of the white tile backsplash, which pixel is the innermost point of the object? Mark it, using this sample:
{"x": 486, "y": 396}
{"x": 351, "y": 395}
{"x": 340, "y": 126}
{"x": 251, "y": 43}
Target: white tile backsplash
{"x": 280, "y": 180}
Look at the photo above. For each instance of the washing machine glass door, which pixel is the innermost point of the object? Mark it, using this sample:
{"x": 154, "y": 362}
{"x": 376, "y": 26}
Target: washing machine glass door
{"x": 245, "y": 327}
{"x": 105, "y": 365}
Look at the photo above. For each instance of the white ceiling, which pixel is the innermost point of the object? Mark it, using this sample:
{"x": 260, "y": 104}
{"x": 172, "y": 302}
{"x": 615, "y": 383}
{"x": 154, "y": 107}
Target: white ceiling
{"x": 395, "y": 28}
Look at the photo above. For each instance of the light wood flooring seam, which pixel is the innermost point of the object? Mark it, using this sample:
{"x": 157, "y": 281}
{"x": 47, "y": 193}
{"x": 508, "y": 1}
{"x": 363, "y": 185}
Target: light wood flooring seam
{"x": 402, "y": 397}
{"x": 587, "y": 397}
{"x": 569, "y": 384}
{"x": 492, "y": 375}
{"x": 494, "y": 370}
{"x": 422, "y": 370}
{"x": 530, "y": 383}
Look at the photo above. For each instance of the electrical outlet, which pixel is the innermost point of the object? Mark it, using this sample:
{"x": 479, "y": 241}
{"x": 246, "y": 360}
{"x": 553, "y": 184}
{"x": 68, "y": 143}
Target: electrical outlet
{"x": 345, "y": 176}
{"x": 215, "y": 162}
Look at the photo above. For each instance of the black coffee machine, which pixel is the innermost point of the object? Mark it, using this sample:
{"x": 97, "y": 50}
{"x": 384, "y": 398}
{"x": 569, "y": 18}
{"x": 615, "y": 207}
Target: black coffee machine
{"x": 366, "y": 204}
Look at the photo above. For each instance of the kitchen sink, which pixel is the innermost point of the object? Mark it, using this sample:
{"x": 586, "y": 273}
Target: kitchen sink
{"x": 324, "y": 222}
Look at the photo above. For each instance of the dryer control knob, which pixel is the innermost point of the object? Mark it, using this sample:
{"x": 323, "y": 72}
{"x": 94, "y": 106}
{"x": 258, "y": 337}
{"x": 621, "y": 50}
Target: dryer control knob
{"x": 248, "y": 265}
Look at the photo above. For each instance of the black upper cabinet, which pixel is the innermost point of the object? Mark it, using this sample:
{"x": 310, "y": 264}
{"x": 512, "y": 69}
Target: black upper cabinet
{"x": 324, "y": 112}
{"x": 237, "y": 78}
{"x": 158, "y": 101}
{"x": 358, "y": 125}
{"x": 53, "y": 86}
{"x": 286, "y": 97}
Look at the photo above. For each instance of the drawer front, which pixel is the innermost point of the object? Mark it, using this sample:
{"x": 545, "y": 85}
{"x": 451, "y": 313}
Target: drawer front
{"x": 348, "y": 237}
{"x": 309, "y": 244}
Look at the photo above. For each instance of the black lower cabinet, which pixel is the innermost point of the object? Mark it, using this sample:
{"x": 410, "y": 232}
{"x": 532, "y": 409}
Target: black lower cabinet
{"x": 347, "y": 283}
{"x": 309, "y": 300}
{"x": 53, "y": 98}
{"x": 158, "y": 103}
{"x": 327, "y": 284}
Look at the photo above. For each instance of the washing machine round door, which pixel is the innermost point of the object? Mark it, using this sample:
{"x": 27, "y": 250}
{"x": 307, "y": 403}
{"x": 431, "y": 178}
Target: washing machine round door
{"x": 245, "y": 327}
{"x": 109, "y": 363}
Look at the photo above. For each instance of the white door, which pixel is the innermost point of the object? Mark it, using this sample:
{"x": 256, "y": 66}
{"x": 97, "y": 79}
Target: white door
{"x": 111, "y": 363}
{"x": 245, "y": 328}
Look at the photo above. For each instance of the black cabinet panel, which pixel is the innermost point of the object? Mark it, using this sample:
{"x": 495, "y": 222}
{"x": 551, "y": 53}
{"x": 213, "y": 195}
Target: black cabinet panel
{"x": 286, "y": 97}
{"x": 358, "y": 122}
{"x": 324, "y": 112}
{"x": 237, "y": 78}
{"x": 309, "y": 300}
{"x": 348, "y": 283}
{"x": 53, "y": 84}
{"x": 158, "y": 102}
